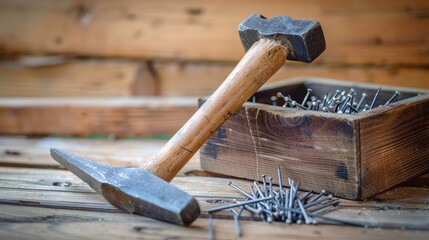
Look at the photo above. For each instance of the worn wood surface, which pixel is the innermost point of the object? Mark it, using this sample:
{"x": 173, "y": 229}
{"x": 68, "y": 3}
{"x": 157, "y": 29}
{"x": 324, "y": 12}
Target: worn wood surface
{"x": 39, "y": 201}
{"x": 118, "y": 116}
{"x": 394, "y": 145}
{"x": 200, "y": 79}
{"x": 357, "y": 32}
{"x": 104, "y": 78}
{"x": 96, "y": 78}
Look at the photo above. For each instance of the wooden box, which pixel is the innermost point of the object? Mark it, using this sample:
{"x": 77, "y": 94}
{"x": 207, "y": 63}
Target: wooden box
{"x": 353, "y": 156}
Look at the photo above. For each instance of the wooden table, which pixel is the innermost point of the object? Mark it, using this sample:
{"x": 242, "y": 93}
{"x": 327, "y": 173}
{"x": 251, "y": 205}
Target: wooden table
{"x": 41, "y": 200}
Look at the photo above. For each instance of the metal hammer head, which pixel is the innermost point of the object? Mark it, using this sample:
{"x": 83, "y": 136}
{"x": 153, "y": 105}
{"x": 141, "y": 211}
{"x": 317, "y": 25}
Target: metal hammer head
{"x": 132, "y": 189}
{"x": 303, "y": 39}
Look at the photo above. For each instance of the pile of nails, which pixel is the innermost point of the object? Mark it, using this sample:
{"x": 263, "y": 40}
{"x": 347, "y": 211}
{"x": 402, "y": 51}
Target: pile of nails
{"x": 281, "y": 204}
{"x": 345, "y": 102}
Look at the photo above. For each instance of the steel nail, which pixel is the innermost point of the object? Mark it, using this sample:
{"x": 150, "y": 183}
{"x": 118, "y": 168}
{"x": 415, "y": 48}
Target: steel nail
{"x": 308, "y": 220}
{"x": 375, "y": 98}
{"x": 211, "y": 230}
{"x": 237, "y": 219}
{"x": 255, "y": 183}
{"x": 264, "y": 183}
{"x": 320, "y": 200}
{"x": 317, "y": 196}
{"x": 216, "y": 209}
{"x": 392, "y": 98}
{"x": 239, "y": 189}
{"x": 361, "y": 100}
{"x": 318, "y": 208}
{"x": 274, "y": 100}
{"x": 309, "y": 90}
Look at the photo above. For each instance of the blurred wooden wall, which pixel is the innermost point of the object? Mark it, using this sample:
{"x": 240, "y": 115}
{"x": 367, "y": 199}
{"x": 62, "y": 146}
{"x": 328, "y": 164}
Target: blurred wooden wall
{"x": 112, "y": 49}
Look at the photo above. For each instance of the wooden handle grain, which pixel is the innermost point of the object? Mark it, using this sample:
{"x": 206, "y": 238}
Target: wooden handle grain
{"x": 260, "y": 62}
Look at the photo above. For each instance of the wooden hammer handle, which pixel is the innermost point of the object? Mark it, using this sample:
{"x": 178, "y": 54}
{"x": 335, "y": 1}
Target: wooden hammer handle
{"x": 260, "y": 62}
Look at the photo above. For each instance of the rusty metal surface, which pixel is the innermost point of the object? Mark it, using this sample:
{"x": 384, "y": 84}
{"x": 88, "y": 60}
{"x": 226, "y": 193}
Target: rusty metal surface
{"x": 304, "y": 39}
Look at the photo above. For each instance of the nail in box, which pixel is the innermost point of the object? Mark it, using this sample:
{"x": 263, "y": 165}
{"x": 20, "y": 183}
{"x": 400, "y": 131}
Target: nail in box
{"x": 352, "y": 156}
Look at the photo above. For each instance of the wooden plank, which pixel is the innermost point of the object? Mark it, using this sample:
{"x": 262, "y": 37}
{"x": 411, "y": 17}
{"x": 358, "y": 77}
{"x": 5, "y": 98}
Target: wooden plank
{"x": 31, "y": 223}
{"x": 77, "y": 79}
{"x": 138, "y": 116}
{"x": 201, "y": 79}
{"x": 103, "y": 78}
{"x": 365, "y": 32}
{"x": 34, "y": 153}
{"x": 62, "y": 190}
{"x": 41, "y": 203}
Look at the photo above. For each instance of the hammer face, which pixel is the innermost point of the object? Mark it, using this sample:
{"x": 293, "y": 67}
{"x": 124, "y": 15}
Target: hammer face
{"x": 133, "y": 190}
{"x": 304, "y": 39}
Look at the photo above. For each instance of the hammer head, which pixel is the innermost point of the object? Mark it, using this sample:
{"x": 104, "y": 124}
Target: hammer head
{"x": 303, "y": 39}
{"x": 133, "y": 190}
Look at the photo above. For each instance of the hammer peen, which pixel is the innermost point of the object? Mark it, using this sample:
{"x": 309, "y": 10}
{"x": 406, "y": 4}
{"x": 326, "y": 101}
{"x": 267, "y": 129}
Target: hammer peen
{"x": 145, "y": 190}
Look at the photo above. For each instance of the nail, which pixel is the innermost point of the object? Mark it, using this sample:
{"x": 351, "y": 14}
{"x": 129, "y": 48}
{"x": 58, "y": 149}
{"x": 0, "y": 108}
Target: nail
{"x": 317, "y": 104}
{"x": 308, "y": 220}
{"x": 280, "y": 178}
{"x": 392, "y": 98}
{"x": 255, "y": 183}
{"x": 252, "y": 192}
{"x": 236, "y": 220}
{"x": 325, "y": 98}
{"x": 239, "y": 189}
{"x": 351, "y": 107}
{"x": 317, "y": 196}
{"x": 361, "y": 100}
{"x": 306, "y": 195}
{"x": 375, "y": 98}
{"x": 318, "y": 208}
{"x": 211, "y": 230}
{"x": 313, "y": 106}
{"x": 271, "y": 186}
{"x": 309, "y": 90}
{"x": 216, "y": 209}
{"x": 253, "y": 210}
{"x": 320, "y": 200}
{"x": 264, "y": 182}
{"x": 274, "y": 100}
{"x": 299, "y": 105}
{"x": 254, "y": 99}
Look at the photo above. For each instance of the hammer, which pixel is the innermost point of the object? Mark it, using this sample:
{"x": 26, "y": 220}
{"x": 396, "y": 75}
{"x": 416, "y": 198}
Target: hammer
{"x": 145, "y": 190}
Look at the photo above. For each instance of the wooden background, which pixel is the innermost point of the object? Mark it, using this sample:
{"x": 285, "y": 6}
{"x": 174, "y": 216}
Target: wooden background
{"x": 149, "y": 54}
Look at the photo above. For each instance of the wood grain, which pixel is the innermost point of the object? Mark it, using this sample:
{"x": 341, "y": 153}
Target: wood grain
{"x": 33, "y": 222}
{"x": 394, "y": 145}
{"x": 35, "y": 153}
{"x": 200, "y": 79}
{"x": 77, "y": 79}
{"x": 358, "y": 32}
{"x": 261, "y": 61}
{"x": 133, "y": 116}
{"x": 107, "y": 77}
{"x": 46, "y": 189}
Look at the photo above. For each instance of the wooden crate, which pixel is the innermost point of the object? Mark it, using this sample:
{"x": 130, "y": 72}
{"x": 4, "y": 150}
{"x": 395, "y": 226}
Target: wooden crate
{"x": 352, "y": 156}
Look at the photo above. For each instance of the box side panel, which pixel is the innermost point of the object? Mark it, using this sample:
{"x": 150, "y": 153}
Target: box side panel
{"x": 318, "y": 151}
{"x": 394, "y": 145}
